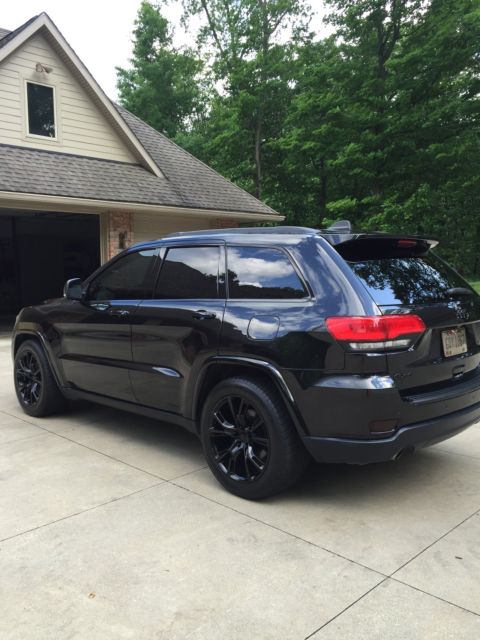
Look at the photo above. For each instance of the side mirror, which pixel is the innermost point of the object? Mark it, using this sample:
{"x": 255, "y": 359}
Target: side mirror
{"x": 73, "y": 289}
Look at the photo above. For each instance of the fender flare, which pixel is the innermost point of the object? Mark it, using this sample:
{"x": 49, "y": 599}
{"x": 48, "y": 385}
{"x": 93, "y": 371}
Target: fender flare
{"x": 245, "y": 361}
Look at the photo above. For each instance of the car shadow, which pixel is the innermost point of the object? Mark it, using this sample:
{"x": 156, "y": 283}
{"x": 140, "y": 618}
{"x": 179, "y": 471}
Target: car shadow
{"x": 342, "y": 484}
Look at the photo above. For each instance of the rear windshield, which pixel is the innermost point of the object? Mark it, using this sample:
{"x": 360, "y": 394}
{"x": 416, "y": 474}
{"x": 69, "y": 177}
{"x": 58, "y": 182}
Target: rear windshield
{"x": 396, "y": 277}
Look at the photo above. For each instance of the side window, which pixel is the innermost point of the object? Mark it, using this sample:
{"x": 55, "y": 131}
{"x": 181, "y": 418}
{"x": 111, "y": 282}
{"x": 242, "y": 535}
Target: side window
{"x": 189, "y": 273}
{"x": 128, "y": 278}
{"x": 257, "y": 272}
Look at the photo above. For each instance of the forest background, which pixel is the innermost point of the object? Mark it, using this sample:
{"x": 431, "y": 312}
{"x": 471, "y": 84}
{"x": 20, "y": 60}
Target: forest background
{"x": 377, "y": 122}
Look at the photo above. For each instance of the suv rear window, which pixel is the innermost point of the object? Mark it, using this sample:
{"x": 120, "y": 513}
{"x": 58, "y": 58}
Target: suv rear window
{"x": 397, "y": 275}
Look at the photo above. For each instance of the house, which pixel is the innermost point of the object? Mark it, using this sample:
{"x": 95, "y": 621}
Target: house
{"x": 81, "y": 178}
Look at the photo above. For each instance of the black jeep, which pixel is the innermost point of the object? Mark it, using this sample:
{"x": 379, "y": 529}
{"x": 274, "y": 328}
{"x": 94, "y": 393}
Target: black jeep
{"x": 274, "y": 345}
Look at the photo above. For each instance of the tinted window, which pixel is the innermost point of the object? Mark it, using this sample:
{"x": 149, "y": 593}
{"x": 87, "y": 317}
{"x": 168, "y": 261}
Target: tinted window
{"x": 255, "y": 272}
{"x": 189, "y": 273}
{"x": 128, "y": 278}
{"x": 41, "y": 112}
{"x": 407, "y": 280}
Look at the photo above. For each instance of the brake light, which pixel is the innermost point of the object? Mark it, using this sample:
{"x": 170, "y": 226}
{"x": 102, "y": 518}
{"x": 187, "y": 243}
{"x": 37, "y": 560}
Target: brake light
{"x": 374, "y": 333}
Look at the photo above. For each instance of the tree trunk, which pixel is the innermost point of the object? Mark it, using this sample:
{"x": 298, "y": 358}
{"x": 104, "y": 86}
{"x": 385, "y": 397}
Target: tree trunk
{"x": 258, "y": 158}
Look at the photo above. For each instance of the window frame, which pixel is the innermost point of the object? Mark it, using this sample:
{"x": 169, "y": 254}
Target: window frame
{"x": 290, "y": 258}
{"x": 221, "y": 287}
{"x": 154, "y": 269}
{"x": 37, "y": 136}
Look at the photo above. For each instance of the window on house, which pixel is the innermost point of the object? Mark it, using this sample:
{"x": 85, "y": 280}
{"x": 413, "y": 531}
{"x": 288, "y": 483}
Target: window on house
{"x": 41, "y": 110}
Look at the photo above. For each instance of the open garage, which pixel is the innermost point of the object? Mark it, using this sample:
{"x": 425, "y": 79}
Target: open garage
{"x": 39, "y": 251}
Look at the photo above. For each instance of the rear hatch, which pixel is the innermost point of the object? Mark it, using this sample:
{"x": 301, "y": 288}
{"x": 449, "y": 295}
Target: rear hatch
{"x": 404, "y": 276}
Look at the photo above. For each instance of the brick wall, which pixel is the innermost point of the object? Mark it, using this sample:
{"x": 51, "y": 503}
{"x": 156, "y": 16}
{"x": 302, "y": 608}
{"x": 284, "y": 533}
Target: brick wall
{"x": 119, "y": 231}
{"x": 223, "y": 223}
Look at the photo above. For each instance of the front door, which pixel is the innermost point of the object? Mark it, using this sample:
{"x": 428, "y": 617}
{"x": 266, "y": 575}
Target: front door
{"x": 174, "y": 333}
{"x": 96, "y": 346}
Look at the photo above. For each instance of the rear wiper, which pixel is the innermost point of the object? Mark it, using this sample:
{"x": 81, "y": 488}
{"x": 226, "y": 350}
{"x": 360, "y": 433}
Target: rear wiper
{"x": 458, "y": 291}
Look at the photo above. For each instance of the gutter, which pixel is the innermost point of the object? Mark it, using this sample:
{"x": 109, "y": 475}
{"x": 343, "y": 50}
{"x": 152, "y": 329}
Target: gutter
{"x": 34, "y": 201}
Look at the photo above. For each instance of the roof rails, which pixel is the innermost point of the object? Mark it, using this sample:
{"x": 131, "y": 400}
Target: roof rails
{"x": 281, "y": 230}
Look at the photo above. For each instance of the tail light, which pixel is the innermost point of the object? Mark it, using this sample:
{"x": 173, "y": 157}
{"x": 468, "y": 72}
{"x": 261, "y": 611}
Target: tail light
{"x": 376, "y": 333}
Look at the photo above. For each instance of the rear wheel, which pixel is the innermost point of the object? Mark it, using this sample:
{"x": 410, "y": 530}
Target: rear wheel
{"x": 249, "y": 440}
{"x": 35, "y": 386}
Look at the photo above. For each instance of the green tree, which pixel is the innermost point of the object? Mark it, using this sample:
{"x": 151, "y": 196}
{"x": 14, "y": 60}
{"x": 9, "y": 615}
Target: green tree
{"x": 252, "y": 65}
{"x": 162, "y": 86}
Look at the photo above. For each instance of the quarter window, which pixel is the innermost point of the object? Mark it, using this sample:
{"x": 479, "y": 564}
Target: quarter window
{"x": 128, "y": 278}
{"x": 41, "y": 110}
{"x": 257, "y": 272}
{"x": 189, "y": 273}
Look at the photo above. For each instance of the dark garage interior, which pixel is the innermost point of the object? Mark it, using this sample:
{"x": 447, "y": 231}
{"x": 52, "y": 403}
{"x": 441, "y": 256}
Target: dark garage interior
{"x": 39, "y": 252}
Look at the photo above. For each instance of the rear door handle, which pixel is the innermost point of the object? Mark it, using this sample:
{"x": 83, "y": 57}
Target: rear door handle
{"x": 118, "y": 313}
{"x": 203, "y": 314}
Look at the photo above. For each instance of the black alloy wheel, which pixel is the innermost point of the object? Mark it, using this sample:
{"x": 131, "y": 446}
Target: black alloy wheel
{"x": 249, "y": 440}
{"x": 239, "y": 439}
{"x": 28, "y": 378}
{"x": 35, "y": 386}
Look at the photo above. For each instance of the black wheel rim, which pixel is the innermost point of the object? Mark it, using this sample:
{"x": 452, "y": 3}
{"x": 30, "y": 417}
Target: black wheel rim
{"x": 28, "y": 376}
{"x": 239, "y": 439}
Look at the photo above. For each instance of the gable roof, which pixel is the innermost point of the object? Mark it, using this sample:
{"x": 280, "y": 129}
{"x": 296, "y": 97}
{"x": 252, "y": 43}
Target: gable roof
{"x": 42, "y": 23}
{"x": 172, "y": 177}
{"x": 3, "y": 33}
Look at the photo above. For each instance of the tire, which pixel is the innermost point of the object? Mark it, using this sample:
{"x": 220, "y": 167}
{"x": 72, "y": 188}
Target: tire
{"x": 249, "y": 440}
{"x": 36, "y": 388}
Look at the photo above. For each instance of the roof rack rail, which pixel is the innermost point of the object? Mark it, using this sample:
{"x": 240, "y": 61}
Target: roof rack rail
{"x": 342, "y": 226}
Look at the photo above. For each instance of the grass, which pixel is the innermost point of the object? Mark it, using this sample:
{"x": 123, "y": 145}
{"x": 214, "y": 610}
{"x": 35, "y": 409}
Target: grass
{"x": 476, "y": 285}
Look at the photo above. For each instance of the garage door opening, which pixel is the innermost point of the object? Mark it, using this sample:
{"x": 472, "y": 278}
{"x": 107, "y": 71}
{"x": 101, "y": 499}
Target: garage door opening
{"x": 39, "y": 252}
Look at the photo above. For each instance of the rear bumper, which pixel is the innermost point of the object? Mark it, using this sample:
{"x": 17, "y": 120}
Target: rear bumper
{"x": 407, "y": 438}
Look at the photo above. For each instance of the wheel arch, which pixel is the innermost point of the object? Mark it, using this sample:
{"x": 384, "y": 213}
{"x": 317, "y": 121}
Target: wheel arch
{"x": 23, "y": 336}
{"x": 221, "y": 368}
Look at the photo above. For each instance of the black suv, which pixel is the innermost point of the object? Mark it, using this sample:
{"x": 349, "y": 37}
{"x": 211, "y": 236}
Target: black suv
{"x": 274, "y": 345}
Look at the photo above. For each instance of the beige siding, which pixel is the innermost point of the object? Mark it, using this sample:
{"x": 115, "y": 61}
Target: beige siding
{"x": 150, "y": 226}
{"x": 81, "y": 128}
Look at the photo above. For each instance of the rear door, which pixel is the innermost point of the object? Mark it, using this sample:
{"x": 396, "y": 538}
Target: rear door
{"x": 404, "y": 276}
{"x": 176, "y": 331}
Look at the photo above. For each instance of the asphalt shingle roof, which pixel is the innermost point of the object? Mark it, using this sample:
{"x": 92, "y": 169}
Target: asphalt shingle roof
{"x": 9, "y": 35}
{"x": 44, "y": 172}
{"x": 197, "y": 184}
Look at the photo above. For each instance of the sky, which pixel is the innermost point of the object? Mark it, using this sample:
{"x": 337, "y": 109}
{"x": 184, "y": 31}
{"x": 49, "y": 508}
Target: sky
{"x": 99, "y": 31}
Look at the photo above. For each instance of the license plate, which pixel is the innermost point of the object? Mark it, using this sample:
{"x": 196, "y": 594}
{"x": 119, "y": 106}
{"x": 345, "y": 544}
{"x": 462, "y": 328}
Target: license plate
{"x": 454, "y": 342}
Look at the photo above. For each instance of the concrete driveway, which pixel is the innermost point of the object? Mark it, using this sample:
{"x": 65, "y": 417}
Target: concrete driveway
{"x": 112, "y": 528}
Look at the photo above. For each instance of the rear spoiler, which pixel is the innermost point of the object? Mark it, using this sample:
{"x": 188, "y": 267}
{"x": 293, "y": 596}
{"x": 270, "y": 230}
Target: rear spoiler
{"x": 335, "y": 238}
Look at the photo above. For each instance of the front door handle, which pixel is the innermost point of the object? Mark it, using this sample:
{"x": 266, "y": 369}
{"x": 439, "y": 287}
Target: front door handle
{"x": 118, "y": 313}
{"x": 203, "y": 314}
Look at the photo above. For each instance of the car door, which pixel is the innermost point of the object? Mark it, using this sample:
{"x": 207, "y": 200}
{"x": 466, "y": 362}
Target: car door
{"x": 179, "y": 328}
{"x": 96, "y": 349}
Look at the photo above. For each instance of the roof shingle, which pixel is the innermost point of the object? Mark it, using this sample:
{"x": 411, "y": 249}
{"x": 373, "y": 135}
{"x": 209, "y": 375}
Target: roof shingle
{"x": 44, "y": 172}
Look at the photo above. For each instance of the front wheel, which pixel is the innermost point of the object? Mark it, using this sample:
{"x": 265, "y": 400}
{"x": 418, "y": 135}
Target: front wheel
{"x": 35, "y": 386}
{"x": 249, "y": 441}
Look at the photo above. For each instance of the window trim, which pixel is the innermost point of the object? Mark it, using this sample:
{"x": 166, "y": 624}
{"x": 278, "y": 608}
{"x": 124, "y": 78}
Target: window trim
{"x": 291, "y": 260}
{"x": 37, "y": 136}
{"x": 221, "y": 290}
